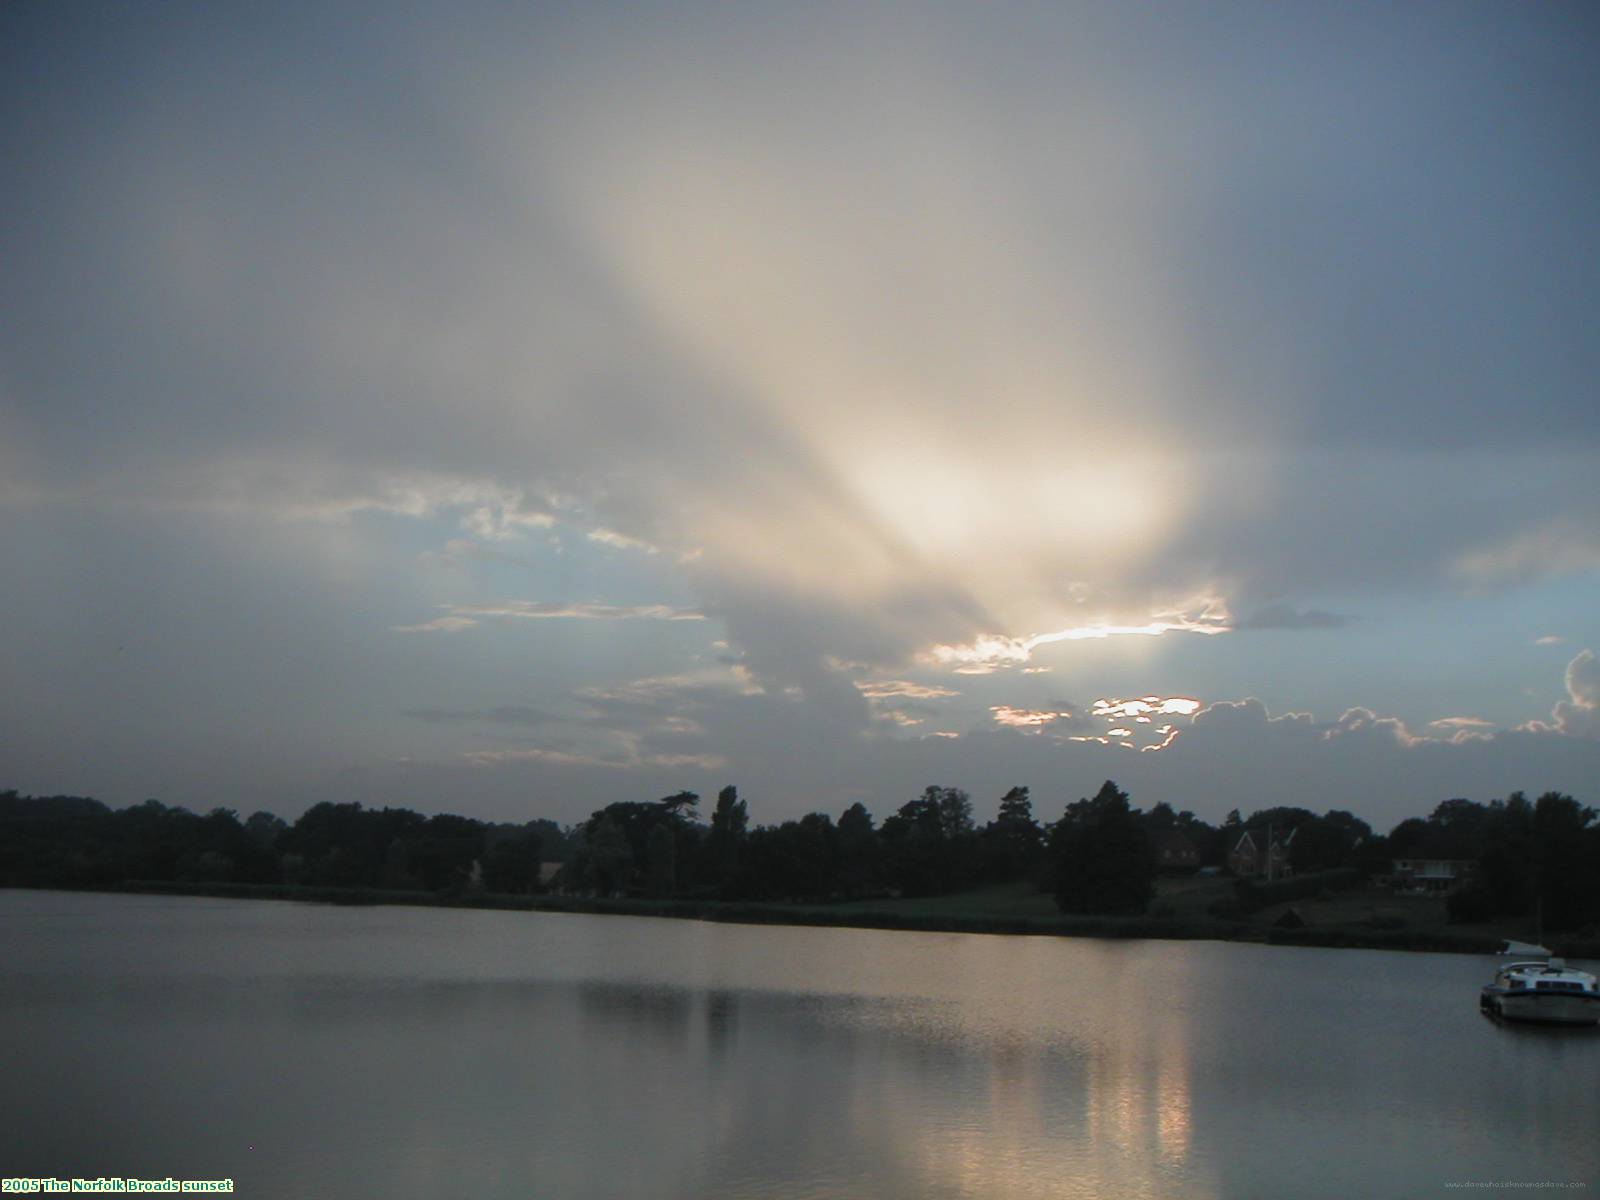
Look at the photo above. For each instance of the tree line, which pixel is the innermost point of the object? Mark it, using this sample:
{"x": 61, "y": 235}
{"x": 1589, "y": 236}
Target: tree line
{"x": 1102, "y": 855}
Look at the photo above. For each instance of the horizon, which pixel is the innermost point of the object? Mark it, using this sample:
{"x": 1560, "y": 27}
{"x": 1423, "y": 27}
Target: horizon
{"x": 498, "y": 413}
{"x": 1248, "y": 818}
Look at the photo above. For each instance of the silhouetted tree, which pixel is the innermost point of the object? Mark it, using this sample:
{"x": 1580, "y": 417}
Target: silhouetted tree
{"x": 662, "y": 877}
{"x": 729, "y": 831}
{"x": 1103, "y": 861}
{"x": 928, "y": 843}
{"x": 1324, "y": 843}
{"x": 511, "y": 864}
{"x": 1012, "y": 842}
{"x": 858, "y": 852}
{"x": 265, "y": 828}
{"x": 609, "y": 857}
{"x": 1407, "y": 836}
{"x": 797, "y": 860}
{"x": 635, "y": 822}
{"x": 1161, "y": 817}
{"x": 1566, "y": 878}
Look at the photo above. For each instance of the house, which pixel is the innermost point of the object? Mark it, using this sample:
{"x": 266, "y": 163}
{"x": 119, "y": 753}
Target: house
{"x": 1250, "y": 854}
{"x": 1430, "y": 874}
{"x": 1174, "y": 852}
{"x": 1438, "y": 863}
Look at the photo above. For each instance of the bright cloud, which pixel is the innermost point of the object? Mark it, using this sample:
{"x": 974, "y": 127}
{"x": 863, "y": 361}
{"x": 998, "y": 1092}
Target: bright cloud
{"x": 1454, "y": 723}
{"x": 1147, "y": 706}
{"x": 1579, "y": 714}
{"x": 1025, "y": 718}
{"x": 1101, "y": 723}
{"x": 620, "y": 541}
{"x": 895, "y": 716}
{"x": 883, "y": 689}
{"x": 437, "y": 625}
{"x": 995, "y": 650}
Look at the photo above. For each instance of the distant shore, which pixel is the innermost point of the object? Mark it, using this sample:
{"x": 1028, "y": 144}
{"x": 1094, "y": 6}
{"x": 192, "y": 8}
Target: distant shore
{"x": 887, "y": 915}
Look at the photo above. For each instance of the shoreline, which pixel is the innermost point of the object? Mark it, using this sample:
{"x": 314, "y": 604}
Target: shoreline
{"x": 828, "y": 916}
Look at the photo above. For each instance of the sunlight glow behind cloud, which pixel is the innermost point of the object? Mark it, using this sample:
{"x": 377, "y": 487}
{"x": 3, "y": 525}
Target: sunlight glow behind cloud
{"x": 995, "y": 650}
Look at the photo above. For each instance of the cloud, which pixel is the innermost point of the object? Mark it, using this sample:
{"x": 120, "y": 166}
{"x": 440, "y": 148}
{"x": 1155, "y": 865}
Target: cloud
{"x": 437, "y": 625}
{"x": 1147, "y": 706}
{"x": 1362, "y": 721}
{"x": 498, "y": 522}
{"x": 1239, "y": 747}
{"x": 1285, "y": 616}
{"x": 1554, "y": 547}
{"x": 509, "y": 714}
{"x": 1549, "y": 639}
{"x": 564, "y": 758}
{"x": 1579, "y": 714}
{"x": 901, "y": 702}
{"x": 1457, "y": 723}
{"x": 885, "y": 689}
{"x": 647, "y": 726}
{"x": 1027, "y": 718}
{"x": 465, "y": 615}
{"x": 1127, "y": 724}
{"x": 691, "y": 689}
{"x": 700, "y": 730}
{"x": 621, "y": 541}
{"x": 898, "y": 717}
{"x": 458, "y": 551}
{"x": 994, "y": 651}
{"x": 1012, "y": 397}
{"x": 316, "y": 487}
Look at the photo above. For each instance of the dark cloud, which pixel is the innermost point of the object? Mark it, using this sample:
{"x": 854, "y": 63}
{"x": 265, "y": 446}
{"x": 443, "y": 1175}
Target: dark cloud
{"x": 510, "y": 714}
{"x": 1286, "y": 616}
{"x": 1234, "y": 755}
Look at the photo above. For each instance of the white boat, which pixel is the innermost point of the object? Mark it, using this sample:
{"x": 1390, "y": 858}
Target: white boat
{"x": 1541, "y": 989}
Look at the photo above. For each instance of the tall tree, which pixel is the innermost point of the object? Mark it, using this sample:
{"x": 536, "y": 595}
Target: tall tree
{"x": 729, "y": 832}
{"x": 928, "y": 843}
{"x": 662, "y": 876}
{"x": 1565, "y": 877}
{"x": 610, "y": 858}
{"x": 858, "y": 851}
{"x": 511, "y": 864}
{"x": 955, "y": 812}
{"x": 1012, "y": 841}
{"x": 1103, "y": 859}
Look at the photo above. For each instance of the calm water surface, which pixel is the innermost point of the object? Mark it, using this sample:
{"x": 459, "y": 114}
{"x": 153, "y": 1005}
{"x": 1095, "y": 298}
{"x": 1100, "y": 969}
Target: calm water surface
{"x": 310, "y": 1051}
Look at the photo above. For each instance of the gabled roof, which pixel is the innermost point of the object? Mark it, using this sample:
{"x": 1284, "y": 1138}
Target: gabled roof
{"x": 1281, "y": 841}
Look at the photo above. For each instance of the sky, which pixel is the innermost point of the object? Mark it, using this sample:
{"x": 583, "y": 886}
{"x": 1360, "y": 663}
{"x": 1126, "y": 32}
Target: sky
{"x": 508, "y": 410}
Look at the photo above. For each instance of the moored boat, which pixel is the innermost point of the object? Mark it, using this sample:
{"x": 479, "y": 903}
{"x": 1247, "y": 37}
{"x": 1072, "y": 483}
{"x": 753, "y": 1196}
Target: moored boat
{"x": 1541, "y": 990}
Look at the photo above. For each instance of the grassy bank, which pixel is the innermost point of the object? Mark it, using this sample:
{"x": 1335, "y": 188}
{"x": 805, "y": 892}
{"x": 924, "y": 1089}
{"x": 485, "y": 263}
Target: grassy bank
{"x": 1364, "y": 919}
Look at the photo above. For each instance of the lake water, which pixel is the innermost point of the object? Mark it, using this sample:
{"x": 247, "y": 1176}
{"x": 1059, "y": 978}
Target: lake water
{"x": 311, "y": 1051}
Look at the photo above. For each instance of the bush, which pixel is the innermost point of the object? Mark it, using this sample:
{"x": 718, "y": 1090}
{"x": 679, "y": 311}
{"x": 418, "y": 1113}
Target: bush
{"x": 1385, "y": 921}
{"x": 1254, "y": 895}
{"x": 1227, "y": 908}
{"x": 1471, "y": 905}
